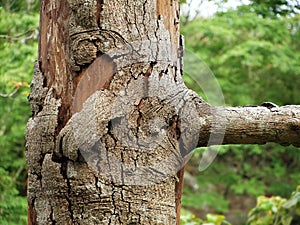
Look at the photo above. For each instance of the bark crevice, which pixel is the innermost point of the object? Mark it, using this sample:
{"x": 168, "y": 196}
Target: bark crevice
{"x": 113, "y": 122}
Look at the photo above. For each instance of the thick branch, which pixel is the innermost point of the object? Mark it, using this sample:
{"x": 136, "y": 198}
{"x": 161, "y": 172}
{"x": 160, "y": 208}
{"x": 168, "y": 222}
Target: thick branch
{"x": 252, "y": 125}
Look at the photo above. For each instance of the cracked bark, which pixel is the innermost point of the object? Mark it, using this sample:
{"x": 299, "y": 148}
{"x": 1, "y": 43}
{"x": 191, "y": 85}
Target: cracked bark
{"x": 112, "y": 121}
{"x": 253, "y": 125}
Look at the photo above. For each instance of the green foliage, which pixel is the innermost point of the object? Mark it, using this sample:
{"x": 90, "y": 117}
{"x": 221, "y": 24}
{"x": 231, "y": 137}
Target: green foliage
{"x": 201, "y": 198}
{"x": 254, "y": 59}
{"x": 187, "y": 218}
{"x": 275, "y": 8}
{"x": 246, "y": 171}
{"x": 18, "y": 49}
{"x": 13, "y": 207}
{"x": 249, "y": 55}
{"x": 276, "y": 210}
{"x": 20, "y": 5}
{"x": 268, "y": 211}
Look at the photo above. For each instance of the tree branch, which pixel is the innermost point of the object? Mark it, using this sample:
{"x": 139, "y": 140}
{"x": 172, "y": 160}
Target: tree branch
{"x": 251, "y": 125}
{"x": 32, "y": 34}
{"x": 10, "y": 94}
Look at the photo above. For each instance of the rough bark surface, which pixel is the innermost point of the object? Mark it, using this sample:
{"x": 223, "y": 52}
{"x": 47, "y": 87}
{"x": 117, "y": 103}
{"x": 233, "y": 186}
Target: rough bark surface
{"x": 90, "y": 152}
{"x": 112, "y": 120}
{"x": 253, "y": 125}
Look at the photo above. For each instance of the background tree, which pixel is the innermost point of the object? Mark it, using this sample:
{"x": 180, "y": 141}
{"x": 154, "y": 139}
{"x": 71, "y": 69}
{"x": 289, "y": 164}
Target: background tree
{"x": 275, "y": 8}
{"x": 18, "y": 41}
{"x": 254, "y": 59}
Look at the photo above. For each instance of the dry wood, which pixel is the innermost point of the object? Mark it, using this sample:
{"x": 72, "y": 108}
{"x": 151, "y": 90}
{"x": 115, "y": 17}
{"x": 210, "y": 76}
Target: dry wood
{"x": 112, "y": 120}
{"x": 259, "y": 125}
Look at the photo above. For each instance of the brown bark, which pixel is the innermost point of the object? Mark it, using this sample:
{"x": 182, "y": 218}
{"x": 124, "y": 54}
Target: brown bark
{"x": 83, "y": 102}
{"x": 113, "y": 122}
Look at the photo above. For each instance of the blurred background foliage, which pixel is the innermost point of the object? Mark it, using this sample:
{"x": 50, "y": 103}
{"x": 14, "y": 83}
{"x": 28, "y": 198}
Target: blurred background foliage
{"x": 254, "y": 52}
{"x": 18, "y": 50}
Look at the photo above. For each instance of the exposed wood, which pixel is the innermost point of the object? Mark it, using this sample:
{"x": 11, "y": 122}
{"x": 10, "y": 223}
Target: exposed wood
{"x": 94, "y": 78}
{"x": 113, "y": 122}
{"x": 170, "y": 12}
{"x": 80, "y": 153}
{"x": 53, "y": 54}
{"x": 178, "y": 192}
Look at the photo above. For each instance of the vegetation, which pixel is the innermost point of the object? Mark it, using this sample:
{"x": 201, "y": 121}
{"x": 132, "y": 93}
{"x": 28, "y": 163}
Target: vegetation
{"x": 254, "y": 53}
{"x": 268, "y": 211}
{"x": 18, "y": 50}
{"x": 255, "y": 58}
{"x": 276, "y": 210}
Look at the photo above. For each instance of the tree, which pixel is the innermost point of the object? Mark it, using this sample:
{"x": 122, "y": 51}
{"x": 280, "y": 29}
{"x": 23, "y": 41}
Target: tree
{"x": 18, "y": 50}
{"x": 112, "y": 120}
{"x": 276, "y": 7}
{"x": 252, "y": 58}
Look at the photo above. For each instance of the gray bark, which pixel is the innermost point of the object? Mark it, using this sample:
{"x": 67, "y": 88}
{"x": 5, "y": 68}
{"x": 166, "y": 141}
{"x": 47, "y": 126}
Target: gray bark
{"x": 105, "y": 85}
{"x": 250, "y": 125}
{"x": 112, "y": 120}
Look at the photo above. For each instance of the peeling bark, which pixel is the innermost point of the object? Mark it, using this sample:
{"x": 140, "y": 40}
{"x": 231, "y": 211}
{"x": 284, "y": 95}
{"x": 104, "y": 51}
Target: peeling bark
{"x": 108, "y": 81}
{"x": 113, "y": 123}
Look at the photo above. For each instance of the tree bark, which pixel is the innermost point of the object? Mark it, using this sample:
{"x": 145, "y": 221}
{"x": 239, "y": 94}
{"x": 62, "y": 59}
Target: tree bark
{"x": 113, "y": 122}
{"x": 257, "y": 124}
{"x": 247, "y": 125}
{"x": 105, "y": 66}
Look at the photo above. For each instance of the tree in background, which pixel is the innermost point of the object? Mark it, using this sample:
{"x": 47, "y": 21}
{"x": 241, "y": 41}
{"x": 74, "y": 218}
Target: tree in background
{"x": 275, "y": 8}
{"x": 254, "y": 59}
{"x": 18, "y": 47}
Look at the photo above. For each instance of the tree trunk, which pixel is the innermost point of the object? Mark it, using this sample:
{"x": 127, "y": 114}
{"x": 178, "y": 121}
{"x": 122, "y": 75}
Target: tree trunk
{"x": 113, "y": 122}
{"x": 106, "y": 73}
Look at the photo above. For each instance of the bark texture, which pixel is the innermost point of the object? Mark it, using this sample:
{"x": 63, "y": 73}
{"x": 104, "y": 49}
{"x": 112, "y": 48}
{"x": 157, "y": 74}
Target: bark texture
{"x": 112, "y": 121}
{"x": 107, "y": 83}
{"x": 252, "y": 125}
